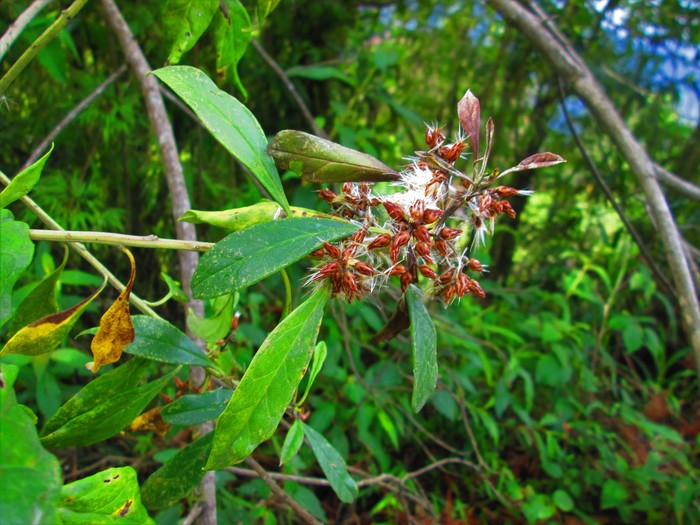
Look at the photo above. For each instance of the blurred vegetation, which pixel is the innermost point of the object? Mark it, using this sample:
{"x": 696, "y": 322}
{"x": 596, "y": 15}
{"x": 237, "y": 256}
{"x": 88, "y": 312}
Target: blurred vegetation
{"x": 567, "y": 396}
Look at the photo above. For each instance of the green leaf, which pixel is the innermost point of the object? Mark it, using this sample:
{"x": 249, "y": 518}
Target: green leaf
{"x": 292, "y": 442}
{"x": 158, "y": 340}
{"x": 265, "y": 7}
{"x": 325, "y": 161}
{"x": 232, "y": 34}
{"x": 16, "y": 252}
{"x": 215, "y": 326}
{"x": 613, "y": 495}
{"x": 245, "y": 257}
{"x": 40, "y": 302}
{"x": 193, "y": 409}
{"x": 333, "y": 466}
{"x": 179, "y": 476}
{"x": 229, "y": 122}
{"x": 174, "y": 289}
{"x": 267, "y": 387}
{"x": 110, "y": 496}
{"x": 184, "y": 22}
{"x": 31, "y": 476}
{"x": 320, "y": 353}
{"x": 424, "y": 349}
{"x": 317, "y": 72}
{"x": 24, "y": 181}
{"x": 562, "y": 500}
{"x": 103, "y": 407}
{"x": 242, "y": 218}
{"x": 47, "y": 333}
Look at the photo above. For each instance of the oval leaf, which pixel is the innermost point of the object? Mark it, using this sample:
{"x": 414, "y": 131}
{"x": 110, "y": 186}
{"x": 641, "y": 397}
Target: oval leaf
{"x": 267, "y": 388}
{"x": 47, "y": 333}
{"x": 292, "y": 442}
{"x": 424, "y": 349}
{"x": 321, "y": 160}
{"x": 16, "y": 252}
{"x": 184, "y": 22}
{"x": 109, "y": 496}
{"x": 242, "y": 218}
{"x": 538, "y": 160}
{"x": 232, "y": 35}
{"x": 179, "y": 476}
{"x": 229, "y": 122}
{"x": 158, "y": 340}
{"x": 116, "y": 329}
{"x": 469, "y": 112}
{"x": 245, "y": 257}
{"x": 333, "y": 466}
{"x": 40, "y": 302}
{"x": 24, "y": 181}
{"x": 193, "y": 409}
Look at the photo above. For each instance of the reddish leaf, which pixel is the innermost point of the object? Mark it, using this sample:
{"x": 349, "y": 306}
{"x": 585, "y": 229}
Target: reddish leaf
{"x": 116, "y": 329}
{"x": 538, "y": 160}
{"x": 469, "y": 111}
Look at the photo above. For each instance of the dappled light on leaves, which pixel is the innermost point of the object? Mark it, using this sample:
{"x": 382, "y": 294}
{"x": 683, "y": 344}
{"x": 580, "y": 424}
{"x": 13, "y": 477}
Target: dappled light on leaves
{"x": 116, "y": 329}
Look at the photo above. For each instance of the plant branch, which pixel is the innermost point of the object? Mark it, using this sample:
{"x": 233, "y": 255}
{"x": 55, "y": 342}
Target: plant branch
{"x": 569, "y": 65}
{"x": 674, "y": 182}
{"x": 277, "y": 490}
{"x": 118, "y": 239}
{"x": 71, "y": 115}
{"x": 82, "y": 251}
{"x": 51, "y": 32}
{"x": 20, "y": 24}
{"x": 180, "y": 203}
{"x": 318, "y": 131}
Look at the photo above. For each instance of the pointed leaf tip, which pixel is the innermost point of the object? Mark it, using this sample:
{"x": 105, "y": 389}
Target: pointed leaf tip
{"x": 469, "y": 112}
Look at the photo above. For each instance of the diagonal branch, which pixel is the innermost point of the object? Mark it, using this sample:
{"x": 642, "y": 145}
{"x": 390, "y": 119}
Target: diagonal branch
{"x": 569, "y": 65}
{"x": 673, "y": 181}
{"x": 20, "y": 24}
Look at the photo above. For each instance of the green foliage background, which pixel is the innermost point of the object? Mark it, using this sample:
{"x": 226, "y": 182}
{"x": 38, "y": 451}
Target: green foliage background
{"x": 568, "y": 394}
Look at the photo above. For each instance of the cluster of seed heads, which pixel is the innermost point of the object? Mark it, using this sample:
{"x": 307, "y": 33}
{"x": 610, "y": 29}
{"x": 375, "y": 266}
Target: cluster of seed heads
{"x": 422, "y": 231}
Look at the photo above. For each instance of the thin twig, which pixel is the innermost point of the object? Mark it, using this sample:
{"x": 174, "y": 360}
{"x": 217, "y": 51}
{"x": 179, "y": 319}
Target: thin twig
{"x": 36, "y": 46}
{"x": 608, "y": 193}
{"x": 318, "y": 131}
{"x": 20, "y": 24}
{"x": 119, "y": 239}
{"x": 192, "y": 515}
{"x": 278, "y": 491}
{"x": 71, "y": 115}
{"x": 82, "y": 251}
{"x": 673, "y": 181}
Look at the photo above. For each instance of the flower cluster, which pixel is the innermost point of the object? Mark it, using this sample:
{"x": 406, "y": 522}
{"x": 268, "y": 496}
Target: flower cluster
{"x": 424, "y": 228}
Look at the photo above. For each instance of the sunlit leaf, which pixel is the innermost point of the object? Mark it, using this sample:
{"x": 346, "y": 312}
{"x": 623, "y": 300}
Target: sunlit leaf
{"x": 231, "y": 36}
{"x": 267, "y": 387}
{"x": 216, "y": 325}
{"x": 242, "y": 218}
{"x": 229, "y": 122}
{"x": 16, "y": 251}
{"x": 110, "y": 496}
{"x": 247, "y": 256}
{"x": 333, "y": 466}
{"x": 192, "y": 409}
{"x": 40, "y": 302}
{"x": 292, "y": 442}
{"x": 184, "y": 22}
{"x": 158, "y": 340}
{"x": 103, "y": 407}
{"x": 469, "y": 112}
{"x": 179, "y": 476}
{"x": 321, "y": 160}
{"x": 265, "y": 7}
{"x": 24, "y": 181}
{"x": 31, "y": 476}
{"x": 116, "y": 329}
{"x": 424, "y": 349}
{"x": 47, "y": 333}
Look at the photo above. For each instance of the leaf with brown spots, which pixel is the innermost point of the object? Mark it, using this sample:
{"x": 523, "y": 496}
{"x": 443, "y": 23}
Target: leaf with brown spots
{"x": 150, "y": 421}
{"x": 47, "y": 333}
{"x": 116, "y": 329}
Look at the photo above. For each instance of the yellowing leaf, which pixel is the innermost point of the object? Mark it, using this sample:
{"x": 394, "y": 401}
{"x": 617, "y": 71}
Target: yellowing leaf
{"x": 116, "y": 329}
{"x": 150, "y": 421}
{"x": 47, "y": 333}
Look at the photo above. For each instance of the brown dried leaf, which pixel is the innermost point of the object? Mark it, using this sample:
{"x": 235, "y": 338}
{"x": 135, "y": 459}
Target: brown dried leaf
{"x": 150, "y": 421}
{"x": 116, "y": 329}
{"x": 469, "y": 111}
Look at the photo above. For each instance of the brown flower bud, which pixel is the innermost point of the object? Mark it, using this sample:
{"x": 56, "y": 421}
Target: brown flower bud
{"x": 364, "y": 268}
{"x": 400, "y": 239}
{"x": 405, "y": 281}
{"x": 447, "y": 276}
{"x": 450, "y": 233}
{"x": 327, "y": 195}
{"x": 427, "y": 271}
{"x": 452, "y": 152}
{"x": 434, "y": 137}
{"x": 394, "y": 210}
{"x": 449, "y": 294}
{"x": 475, "y": 265}
{"x": 423, "y": 249}
{"x": 397, "y": 269}
{"x": 332, "y": 251}
{"x": 421, "y": 233}
{"x": 430, "y": 216}
{"x": 349, "y": 284}
{"x": 380, "y": 241}
{"x": 476, "y": 289}
{"x": 508, "y": 209}
{"x": 462, "y": 284}
{"x": 505, "y": 191}
{"x": 317, "y": 254}
{"x": 327, "y": 269}
{"x": 417, "y": 210}
{"x": 359, "y": 235}
{"x": 441, "y": 247}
